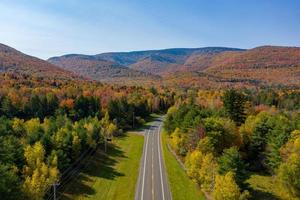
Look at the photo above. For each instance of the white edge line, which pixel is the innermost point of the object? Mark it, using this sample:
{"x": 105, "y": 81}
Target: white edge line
{"x": 145, "y": 160}
{"x": 159, "y": 152}
{"x": 152, "y": 167}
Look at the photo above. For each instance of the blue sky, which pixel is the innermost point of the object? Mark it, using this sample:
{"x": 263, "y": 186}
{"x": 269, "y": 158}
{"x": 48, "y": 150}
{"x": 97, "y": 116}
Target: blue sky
{"x": 46, "y": 28}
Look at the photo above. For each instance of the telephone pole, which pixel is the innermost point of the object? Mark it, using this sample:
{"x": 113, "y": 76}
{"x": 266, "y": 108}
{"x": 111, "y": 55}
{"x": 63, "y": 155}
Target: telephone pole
{"x": 54, "y": 190}
{"x": 133, "y": 120}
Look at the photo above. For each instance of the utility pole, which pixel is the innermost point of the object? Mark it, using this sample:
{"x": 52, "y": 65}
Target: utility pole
{"x": 54, "y": 190}
{"x": 105, "y": 143}
{"x": 133, "y": 120}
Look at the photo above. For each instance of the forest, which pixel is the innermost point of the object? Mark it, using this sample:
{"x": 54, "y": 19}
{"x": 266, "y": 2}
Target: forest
{"x": 48, "y": 126}
{"x": 226, "y": 137}
{"x": 223, "y": 137}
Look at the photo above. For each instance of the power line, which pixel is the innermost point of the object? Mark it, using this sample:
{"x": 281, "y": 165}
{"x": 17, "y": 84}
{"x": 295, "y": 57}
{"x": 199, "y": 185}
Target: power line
{"x": 73, "y": 173}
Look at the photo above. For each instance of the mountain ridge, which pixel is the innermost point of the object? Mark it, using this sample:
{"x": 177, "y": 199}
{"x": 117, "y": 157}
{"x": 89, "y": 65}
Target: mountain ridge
{"x": 14, "y": 61}
{"x": 209, "y": 67}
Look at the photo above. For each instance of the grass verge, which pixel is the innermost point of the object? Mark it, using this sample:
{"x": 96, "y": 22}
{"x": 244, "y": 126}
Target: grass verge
{"x": 112, "y": 175}
{"x": 182, "y": 187}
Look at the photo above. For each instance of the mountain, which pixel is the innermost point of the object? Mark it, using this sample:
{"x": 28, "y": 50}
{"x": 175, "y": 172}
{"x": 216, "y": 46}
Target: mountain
{"x": 13, "y": 61}
{"x": 261, "y": 66}
{"x": 269, "y": 65}
{"x": 160, "y": 61}
{"x": 131, "y": 64}
{"x": 208, "y": 67}
{"x": 97, "y": 68}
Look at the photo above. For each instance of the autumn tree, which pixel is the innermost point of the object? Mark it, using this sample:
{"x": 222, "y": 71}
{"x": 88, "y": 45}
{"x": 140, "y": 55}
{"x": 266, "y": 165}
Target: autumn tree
{"x": 226, "y": 189}
{"x": 38, "y": 175}
{"x": 288, "y": 173}
{"x": 202, "y": 168}
{"x": 222, "y": 133}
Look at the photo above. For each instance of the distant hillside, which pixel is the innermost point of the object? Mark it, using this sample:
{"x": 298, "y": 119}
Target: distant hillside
{"x": 152, "y": 61}
{"x": 269, "y": 65}
{"x": 97, "y": 68}
{"x": 208, "y": 67}
{"x": 171, "y": 60}
{"x": 261, "y": 66}
{"x": 13, "y": 61}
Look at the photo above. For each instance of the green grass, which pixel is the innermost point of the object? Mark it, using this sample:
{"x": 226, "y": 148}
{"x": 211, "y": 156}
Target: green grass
{"x": 182, "y": 187}
{"x": 112, "y": 176}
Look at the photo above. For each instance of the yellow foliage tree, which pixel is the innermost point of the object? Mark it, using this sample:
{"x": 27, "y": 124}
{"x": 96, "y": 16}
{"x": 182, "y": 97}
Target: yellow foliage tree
{"x": 90, "y": 133}
{"x": 76, "y": 145}
{"x": 226, "y": 188}
{"x": 177, "y": 140}
{"x": 32, "y": 126}
{"x": 34, "y": 155}
{"x": 38, "y": 176}
{"x": 193, "y": 164}
{"x": 202, "y": 168}
{"x": 208, "y": 172}
{"x": 288, "y": 173}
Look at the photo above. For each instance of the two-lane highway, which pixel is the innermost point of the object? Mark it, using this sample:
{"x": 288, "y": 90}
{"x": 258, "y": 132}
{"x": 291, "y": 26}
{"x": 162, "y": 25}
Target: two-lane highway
{"x": 152, "y": 182}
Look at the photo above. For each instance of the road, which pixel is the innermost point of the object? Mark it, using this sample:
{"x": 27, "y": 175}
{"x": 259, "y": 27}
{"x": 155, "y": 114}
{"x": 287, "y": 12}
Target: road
{"x": 152, "y": 182}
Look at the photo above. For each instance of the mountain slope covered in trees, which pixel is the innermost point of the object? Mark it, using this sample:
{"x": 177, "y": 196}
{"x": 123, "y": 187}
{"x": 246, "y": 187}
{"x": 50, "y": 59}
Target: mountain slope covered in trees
{"x": 13, "y": 61}
{"x": 97, "y": 68}
{"x": 152, "y": 61}
{"x": 210, "y": 67}
{"x": 262, "y": 66}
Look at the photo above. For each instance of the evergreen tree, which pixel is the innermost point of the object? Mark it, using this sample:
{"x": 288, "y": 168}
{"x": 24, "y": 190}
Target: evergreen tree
{"x": 234, "y": 104}
{"x": 7, "y": 108}
{"x": 231, "y": 161}
{"x": 9, "y": 184}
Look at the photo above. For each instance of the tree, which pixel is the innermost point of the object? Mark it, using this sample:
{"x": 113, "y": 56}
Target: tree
{"x": 288, "y": 176}
{"x": 234, "y": 104}
{"x": 208, "y": 172}
{"x": 85, "y": 107}
{"x": 121, "y": 111}
{"x": 231, "y": 161}
{"x": 38, "y": 176}
{"x": 288, "y": 173}
{"x": 35, "y": 107}
{"x": 76, "y": 146}
{"x": 34, "y": 130}
{"x": 5, "y": 126}
{"x": 201, "y": 168}
{"x": 277, "y": 137}
{"x": 178, "y": 142}
{"x": 34, "y": 155}
{"x": 52, "y": 104}
{"x": 226, "y": 188}
{"x": 7, "y": 108}
{"x": 42, "y": 177}
{"x": 9, "y": 184}
{"x": 193, "y": 163}
{"x": 222, "y": 133}
{"x": 11, "y": 151}
{"x": 18, "y": 127}
{"x": 205, "y": 145}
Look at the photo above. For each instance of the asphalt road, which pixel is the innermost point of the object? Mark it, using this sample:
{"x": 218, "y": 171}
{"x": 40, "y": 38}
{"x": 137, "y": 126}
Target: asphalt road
{"x": 152, "y": 182}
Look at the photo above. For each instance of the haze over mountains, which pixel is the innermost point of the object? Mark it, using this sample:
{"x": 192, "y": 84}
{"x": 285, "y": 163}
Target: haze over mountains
{"x": 209, "y": 67}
